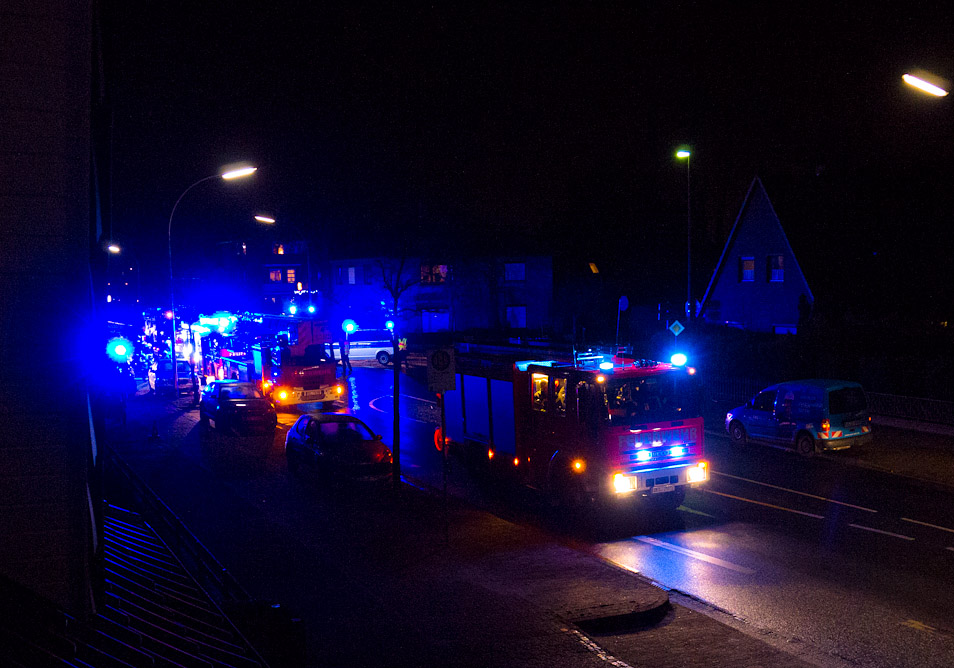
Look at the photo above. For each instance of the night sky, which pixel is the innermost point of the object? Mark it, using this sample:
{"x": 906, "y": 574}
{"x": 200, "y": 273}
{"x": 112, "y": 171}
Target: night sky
{"x": 473, "y": 127}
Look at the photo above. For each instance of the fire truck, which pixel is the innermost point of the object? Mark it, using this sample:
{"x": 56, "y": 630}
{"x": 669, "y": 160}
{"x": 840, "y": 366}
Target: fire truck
{"x": 599, "y": 429}
{"x": 291, "y": 357}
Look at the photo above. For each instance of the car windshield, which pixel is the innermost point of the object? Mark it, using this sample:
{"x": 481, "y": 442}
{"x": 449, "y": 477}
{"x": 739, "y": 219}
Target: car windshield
{"x": 652, "y": 399}
{"x": 241, "y": 392}
{"x": 345, "y": 432}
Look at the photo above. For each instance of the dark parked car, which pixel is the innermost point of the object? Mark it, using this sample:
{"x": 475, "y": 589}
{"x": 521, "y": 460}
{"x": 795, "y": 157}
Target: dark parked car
{"x": 231, "y": 406}
{"x": 337, "y": 445}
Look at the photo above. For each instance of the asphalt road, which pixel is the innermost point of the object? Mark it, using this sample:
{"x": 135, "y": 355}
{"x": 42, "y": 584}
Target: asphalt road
{"x": 851, "y": 565}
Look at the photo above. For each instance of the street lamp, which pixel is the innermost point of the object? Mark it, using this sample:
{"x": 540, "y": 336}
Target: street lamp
{"x": 686, "y": 154}
{"x": 921, "y": 82}
{"x": 229, "y": 175}
{"x": 269, "y": 220}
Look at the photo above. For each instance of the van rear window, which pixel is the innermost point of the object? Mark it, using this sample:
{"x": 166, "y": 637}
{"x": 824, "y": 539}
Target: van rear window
{"x": 847, "y": 400}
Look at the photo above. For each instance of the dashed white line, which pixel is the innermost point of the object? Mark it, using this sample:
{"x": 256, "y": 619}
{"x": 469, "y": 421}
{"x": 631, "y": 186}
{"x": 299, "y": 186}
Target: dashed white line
{"x": 927, "y": 524}
{"x": 597, "y": 650}
{"x": 883, "y": 533}
{"x": 795, "y": 491}
{"x": 655, "y": 542}
{"x": 769, "y": 505}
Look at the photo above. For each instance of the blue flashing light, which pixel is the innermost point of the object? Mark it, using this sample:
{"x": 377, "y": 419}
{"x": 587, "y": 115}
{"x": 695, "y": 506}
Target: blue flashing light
{"x": 311, "y": 308}
{"x": 606, "y": 366}
{"x": 293, "y": 309}
{"x": 119, "y": 349}
{"x": 643, "y": 455}
{"x": 678, "y": 451}
{"x": 349, "y": 325}
{"x": 678, "y": 359}
{"x": 390, "y": 325}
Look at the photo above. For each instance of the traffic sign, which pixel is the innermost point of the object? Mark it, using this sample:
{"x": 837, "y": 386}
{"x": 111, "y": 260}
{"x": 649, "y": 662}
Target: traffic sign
{"x": 440, "y": 370}
{"x": 676, "y": 328}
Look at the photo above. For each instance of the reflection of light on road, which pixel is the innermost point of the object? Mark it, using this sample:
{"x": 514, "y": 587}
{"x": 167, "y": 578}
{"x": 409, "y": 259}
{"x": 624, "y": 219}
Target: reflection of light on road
{"x": 355, "y": 406}
{"x": 390, "y": 397}
{"x": 655, "y": 542}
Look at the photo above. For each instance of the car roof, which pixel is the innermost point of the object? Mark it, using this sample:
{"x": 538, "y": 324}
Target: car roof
{"x": 334, "y": 417}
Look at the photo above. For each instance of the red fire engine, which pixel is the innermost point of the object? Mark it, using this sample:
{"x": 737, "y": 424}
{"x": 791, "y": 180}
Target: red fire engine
{"x": 291, "y": 357}
{"x": 600, "y": 428}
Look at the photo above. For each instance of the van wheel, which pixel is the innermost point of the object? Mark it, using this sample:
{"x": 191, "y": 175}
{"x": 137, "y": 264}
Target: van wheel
{"x": 383, "y": 358}
{"x": 805, "y": 445}
{"x": 737, "y": 432}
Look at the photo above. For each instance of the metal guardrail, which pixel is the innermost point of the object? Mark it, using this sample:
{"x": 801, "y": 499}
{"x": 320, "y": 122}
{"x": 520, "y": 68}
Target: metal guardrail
{"x": 740, "y": 390}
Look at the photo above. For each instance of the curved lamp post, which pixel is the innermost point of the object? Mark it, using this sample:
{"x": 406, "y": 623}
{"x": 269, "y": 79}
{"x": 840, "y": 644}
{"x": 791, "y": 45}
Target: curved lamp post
{"x": 269, "y": 220}
{"x": 686, "y": 154}
{"x": 229, "y": 175}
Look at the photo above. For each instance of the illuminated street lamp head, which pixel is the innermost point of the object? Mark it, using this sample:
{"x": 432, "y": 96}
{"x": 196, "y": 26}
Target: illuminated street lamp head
{"x": 683, "y": 153}
{"x": 239, "y": 173}
{"x": 923, "y": 85}
{"x": 114, "y": 249}
{"x": 268, "y": 220}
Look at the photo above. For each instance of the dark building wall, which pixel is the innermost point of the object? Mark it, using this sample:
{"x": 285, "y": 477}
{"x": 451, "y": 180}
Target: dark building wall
{"x": 45, "y": 302}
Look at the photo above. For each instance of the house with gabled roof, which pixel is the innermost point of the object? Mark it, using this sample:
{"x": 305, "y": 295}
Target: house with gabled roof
{"x": 757, "y": 284}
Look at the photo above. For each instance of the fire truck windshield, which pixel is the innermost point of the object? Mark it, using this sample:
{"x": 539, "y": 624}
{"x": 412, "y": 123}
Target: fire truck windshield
{"x": 651, "y": 399}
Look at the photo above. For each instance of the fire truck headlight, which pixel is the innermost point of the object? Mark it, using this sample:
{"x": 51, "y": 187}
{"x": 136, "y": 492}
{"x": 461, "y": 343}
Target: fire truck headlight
{"x": 282, "y": 395}
{"x": 624, "y": 483}
{"x": 339, "y": 389}
{"x": 578, "y": 466}
{"x": 698, "y": 473}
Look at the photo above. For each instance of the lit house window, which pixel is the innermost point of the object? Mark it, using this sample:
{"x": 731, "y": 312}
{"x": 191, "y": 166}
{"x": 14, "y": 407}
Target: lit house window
{"x": 345, "y": 276}
{"x": 776, "y": 268}
{"x": 290, "y": 275}
{"x": 275, "y": 275}
{"x": 434, "y": 273}
{"x": 278, "y": 249}
{"x": 514, "y": 271}
{"x": 746, "y": 269}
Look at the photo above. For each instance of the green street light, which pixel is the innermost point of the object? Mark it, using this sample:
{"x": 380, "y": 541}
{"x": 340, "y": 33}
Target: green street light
{"x": 923, "y": 85}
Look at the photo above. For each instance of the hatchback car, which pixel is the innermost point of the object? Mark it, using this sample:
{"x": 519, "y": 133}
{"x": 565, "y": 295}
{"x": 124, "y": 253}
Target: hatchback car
{"x": 371, "y": 344}
{"x": 804, "y": 415}
{"x": 230, "y": 406}
{"x": 339, "y": 446}
{"x": 160, "y": 377}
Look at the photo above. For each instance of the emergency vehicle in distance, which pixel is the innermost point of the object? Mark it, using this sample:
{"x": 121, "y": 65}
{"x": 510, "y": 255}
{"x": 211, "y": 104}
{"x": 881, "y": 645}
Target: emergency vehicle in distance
{"x": 600, "y": 429}
{"x": 290, "y": 357}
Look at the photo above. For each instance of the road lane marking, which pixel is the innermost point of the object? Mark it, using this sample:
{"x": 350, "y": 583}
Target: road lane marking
{"x": 884, "y": 533}
{"x": 925, "y": 524}
{"x": 795, "y": 491}
{"x": 686, "y": 509}
{"x": 655, "y": 542}
{"x": 950, "y": 548}
{"x": 919, "y": 626}
{"x": 770, "y": 505}
{"x": 391, "y": 397}
{"x": 597, "y": 650}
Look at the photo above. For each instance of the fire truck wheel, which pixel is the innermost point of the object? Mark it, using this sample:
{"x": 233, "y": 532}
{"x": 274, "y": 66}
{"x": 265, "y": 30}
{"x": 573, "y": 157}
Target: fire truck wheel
{"x": 737, "y": 432}
{"x": 805, "y": 445}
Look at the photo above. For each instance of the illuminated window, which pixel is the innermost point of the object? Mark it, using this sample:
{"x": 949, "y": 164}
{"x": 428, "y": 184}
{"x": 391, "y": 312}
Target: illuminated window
{"x": 559, "y": 389}
{"x": 434, "y": 273}
{"x": 290, "y": 275}
{"x": 278, "y": 249}
{"x": 275, "y": 276}
{"x": 514, "y": 271}
{"x": 345, "y": 276}
{"x": 775, "y": 268}
{"x": 746, "y": 269}
{"x": 539, "y": 391}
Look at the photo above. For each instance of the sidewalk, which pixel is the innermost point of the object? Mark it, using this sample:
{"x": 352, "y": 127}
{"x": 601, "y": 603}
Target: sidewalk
{"x": 401, "y": 592}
